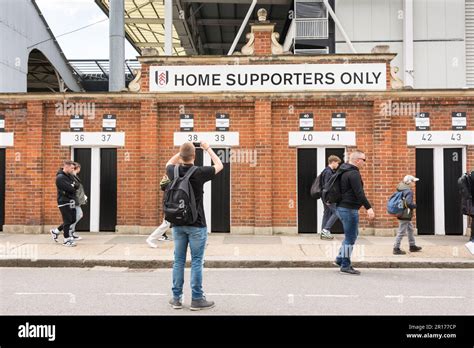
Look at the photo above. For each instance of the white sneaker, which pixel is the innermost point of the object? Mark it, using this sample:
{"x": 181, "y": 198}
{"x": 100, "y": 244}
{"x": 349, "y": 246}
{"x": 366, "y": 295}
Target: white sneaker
{"x": 76, "y": 236}
{"x": 151, "y": 244}
{"x": 54, "y": 234}
{"x": 470, "y": 246}
{"x": 164, "y": 238}
{"x": 69, "y": 242}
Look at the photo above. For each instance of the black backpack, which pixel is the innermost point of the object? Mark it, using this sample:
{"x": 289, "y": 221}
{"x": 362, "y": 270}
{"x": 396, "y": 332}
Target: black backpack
{"x": 332, "y": 190}
{"x": 316, "y": 189}
{"x": 179, "y": 203}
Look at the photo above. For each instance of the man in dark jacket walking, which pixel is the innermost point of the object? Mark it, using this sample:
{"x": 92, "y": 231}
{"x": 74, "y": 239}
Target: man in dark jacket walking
{"x": 353, "y": 197}
{"x": 405, "y": 224}
{"x": 66, "y": 186}
{"x": 329, "y": 216}
{"x": 80, "y": 199}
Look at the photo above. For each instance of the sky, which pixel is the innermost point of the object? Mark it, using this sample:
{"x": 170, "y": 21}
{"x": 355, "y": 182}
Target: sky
{"x": 90, "y": 43}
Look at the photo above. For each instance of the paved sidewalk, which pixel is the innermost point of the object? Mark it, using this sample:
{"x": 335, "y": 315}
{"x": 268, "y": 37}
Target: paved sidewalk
{"x": 224, "y": 250}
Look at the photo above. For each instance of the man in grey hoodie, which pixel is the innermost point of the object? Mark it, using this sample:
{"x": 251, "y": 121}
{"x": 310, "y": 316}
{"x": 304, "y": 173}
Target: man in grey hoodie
{"x": 405, "y": 224}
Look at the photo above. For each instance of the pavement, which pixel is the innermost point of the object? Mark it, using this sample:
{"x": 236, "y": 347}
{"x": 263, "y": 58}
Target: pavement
{"x": 231, "y": 251}
{"x": 236, "y": 291}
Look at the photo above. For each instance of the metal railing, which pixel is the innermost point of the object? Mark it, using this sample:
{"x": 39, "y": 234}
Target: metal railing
{"x": 312, "y": 28}
{"x": 98, "y": 69}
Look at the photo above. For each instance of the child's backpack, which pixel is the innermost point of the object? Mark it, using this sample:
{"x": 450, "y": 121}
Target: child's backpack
{"x": 396, "y": 203}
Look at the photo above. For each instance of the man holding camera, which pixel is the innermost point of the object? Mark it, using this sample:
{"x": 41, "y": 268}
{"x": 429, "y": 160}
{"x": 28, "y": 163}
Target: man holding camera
{"x": 194, "y": 233}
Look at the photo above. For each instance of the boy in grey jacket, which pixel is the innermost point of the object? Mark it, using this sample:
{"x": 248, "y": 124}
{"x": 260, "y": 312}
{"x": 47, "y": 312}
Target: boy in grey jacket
{"x": 405, "y": 224}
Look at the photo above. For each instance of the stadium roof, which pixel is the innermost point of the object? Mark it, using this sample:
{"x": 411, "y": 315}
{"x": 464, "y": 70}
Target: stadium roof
{"x": 199, "y": 26}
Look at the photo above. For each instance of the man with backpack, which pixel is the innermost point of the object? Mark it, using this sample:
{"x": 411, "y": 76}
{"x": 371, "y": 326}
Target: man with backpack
{"x": 329, "y": 216}
{"x": 67, "y": 187}
{"x": 346, "y": 188}
{"x": 183, "y": 207}
{"x": 405, "y": 224}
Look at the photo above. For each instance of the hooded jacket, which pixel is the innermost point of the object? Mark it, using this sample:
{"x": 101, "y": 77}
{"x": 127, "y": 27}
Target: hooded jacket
{"x": 352, "y": 188}
{"x": 326, "y": 174}
{"x": 410, "y": 204}
{"x": 66, "y": 186}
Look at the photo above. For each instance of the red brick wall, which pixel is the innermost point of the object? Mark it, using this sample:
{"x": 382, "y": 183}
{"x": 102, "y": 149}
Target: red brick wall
{"x": 128, "y": 158}
{"x": 241, "y": 120}
{"x": 261, "y": 196}
{"x": 262, "y": 43}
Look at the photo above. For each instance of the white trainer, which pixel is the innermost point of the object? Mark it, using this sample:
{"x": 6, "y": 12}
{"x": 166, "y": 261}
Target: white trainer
{"x": 151, "y": 244}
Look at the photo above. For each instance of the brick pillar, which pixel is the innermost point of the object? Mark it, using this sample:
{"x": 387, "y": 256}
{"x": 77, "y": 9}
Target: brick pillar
{"x": 32, "y": 164}
{"x": 145, "y": 77}
{"x": 384, "y": 180}
{"x": 263, "y": 171}
{"x": 262, "y": 38}
{"x": 150, "y": 204}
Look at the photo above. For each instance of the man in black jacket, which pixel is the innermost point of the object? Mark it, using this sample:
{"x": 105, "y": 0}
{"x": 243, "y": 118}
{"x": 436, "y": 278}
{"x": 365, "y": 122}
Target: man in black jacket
{"x": 329, "y": 216}
{"x": 353, "y": 197}
{"x": 67, "y": 187}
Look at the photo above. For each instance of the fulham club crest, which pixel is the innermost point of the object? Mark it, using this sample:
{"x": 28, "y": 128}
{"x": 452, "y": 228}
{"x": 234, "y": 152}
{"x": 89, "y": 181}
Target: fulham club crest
{"x": 161, "y": 78}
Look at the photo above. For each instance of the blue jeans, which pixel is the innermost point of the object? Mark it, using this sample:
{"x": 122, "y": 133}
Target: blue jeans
{"x": 329, "y": 216}
{"x": 196, "y": 237}
{"x": 350, "y": 222}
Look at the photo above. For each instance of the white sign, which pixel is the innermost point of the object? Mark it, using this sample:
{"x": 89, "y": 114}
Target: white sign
{"x": 6, "y": 139}
{"x": 76, "y": 123}
{"x": 268, "y": 78}
{"x": 321, "y": 138}
{"x": 338, "y": 121}
{"x": 102, "y": 139}
{"x": 2, "y": 123}
{"x": 186, "y": 122}
{"x": 214, "y": 139}
{"x": 222, "y": 122}
{"x": 422, "y": 122}
{"x": 417, "y": 138}
{"x": 109, "y": 123}
{"x": 459, "y": 121}
{"x": 306, "y": 121}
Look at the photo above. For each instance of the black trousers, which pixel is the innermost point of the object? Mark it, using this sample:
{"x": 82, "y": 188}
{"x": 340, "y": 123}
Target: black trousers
{"x": 472, "y": 229}
{"x": 69, "y": 217}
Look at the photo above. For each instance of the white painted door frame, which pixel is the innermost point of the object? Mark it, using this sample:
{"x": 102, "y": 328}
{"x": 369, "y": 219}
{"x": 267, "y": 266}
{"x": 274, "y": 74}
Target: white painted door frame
{"x": 321, "y": 163}
{"x": 207, "y": 197}
{"x": 438, "y": 179}
{"x": 94, "y": 199}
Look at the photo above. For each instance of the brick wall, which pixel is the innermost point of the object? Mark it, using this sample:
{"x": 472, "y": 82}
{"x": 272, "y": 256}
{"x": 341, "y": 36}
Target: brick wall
{"x": 264, "y": 197}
